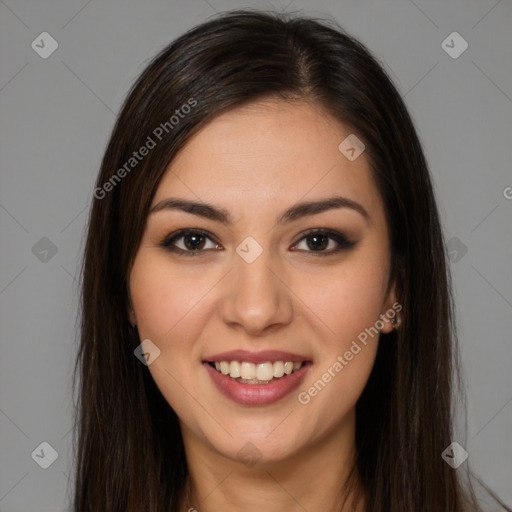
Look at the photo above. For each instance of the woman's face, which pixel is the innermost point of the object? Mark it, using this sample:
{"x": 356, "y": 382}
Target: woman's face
{"x": 264, "y": 279}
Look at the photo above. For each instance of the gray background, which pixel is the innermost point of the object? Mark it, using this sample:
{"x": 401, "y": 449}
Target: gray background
{"x": 56, "y": 116}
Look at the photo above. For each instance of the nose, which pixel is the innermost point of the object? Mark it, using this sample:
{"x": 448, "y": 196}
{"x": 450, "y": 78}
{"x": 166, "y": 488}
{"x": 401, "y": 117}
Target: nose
{"x": 256, "y": 298}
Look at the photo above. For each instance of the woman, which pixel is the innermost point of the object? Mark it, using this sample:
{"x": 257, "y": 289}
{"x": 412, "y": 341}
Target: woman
{"x": 266, "y": 313}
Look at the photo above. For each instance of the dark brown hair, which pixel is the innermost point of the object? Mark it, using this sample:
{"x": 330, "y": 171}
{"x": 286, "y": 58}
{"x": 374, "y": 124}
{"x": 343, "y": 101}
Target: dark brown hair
{"x": 129, "y": 451}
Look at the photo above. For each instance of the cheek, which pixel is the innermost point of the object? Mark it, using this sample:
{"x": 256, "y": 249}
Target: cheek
{"x": 165, "y": 298}
{"x": 349, "y": 308}
{"x": 171, "y": 311}
{"x": 347, "y": 300}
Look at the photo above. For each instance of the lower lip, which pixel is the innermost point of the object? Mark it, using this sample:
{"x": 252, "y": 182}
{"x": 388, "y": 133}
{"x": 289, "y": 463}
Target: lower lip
{"x": 257, "y": 394}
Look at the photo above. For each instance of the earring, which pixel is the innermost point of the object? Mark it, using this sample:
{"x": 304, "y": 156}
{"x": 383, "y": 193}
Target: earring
{"x": 395, "y": 322}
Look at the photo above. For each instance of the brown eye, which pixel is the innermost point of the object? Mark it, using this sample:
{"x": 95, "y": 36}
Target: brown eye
{"x": 194, "y": 241}
{"x": 323, "y": 242}
{"x": 317, "y": 242}
{"x": 189, "y": 241}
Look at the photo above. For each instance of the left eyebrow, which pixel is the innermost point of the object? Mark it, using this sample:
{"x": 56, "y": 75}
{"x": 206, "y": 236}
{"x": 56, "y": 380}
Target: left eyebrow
{"x": 313, "y": 207}
{"x": 293, "y": 213}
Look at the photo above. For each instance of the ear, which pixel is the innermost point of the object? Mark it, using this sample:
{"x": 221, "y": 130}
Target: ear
{"x": 391, "y": 310}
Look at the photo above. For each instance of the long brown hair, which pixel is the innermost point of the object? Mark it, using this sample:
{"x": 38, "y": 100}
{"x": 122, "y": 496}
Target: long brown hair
{"x": 129, "y": 450}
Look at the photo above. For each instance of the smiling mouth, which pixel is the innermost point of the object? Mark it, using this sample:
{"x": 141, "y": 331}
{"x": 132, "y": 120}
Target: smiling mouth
{"x": 260, "y": 373}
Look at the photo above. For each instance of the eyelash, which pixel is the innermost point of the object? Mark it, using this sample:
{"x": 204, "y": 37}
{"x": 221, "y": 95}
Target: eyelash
{"x": 339, "y": 238}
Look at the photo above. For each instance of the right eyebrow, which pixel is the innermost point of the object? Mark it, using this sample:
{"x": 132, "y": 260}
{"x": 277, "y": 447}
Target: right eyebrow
{"x": 202, "y": 209}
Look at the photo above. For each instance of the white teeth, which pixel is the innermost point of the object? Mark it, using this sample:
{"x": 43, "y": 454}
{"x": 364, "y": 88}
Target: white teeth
{"x": 250, "y": 373}
{"x": 264, "y": 371}
{"x": 278, "y": 369}
{"x": 234, "y": 369}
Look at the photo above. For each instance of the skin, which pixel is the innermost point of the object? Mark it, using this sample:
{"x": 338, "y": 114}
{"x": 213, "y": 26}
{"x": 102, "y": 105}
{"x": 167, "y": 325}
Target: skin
{"x": 255, "y": 162}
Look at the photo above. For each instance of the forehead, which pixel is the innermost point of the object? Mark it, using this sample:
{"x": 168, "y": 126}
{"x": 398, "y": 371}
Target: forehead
{"x": 266, "y": 154}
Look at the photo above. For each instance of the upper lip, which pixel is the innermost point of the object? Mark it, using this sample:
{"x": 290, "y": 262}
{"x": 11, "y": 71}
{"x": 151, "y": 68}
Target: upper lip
{"x": 256, "y": 357}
